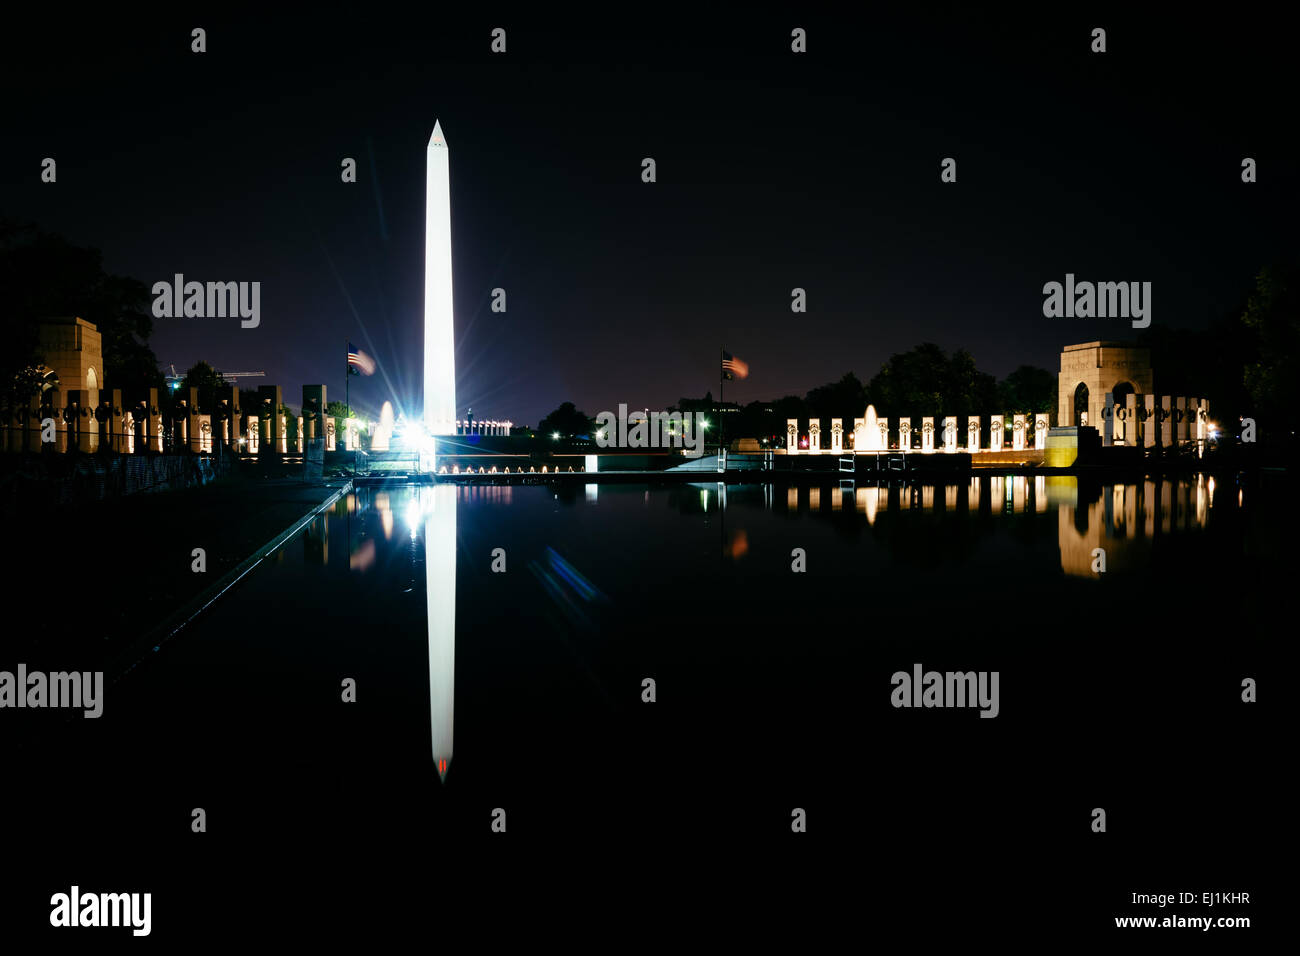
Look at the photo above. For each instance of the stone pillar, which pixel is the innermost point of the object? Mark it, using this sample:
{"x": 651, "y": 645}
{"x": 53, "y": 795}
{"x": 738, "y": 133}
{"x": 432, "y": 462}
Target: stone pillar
{"x": 55, "y": 409}
{"x": 837, "y": 436}
{"x": 1166, "y": 421}
{"x": 64, "y": 418}
{"x": 859, "y": 434}
{"x": 972, "y": 433}
{"x": 270, "y": 399}
{"x": 314, "y": 399}
{"x": 194, "y": 425}
{"x": 1040, "y": 430}
{"x": 87, "y": 427}
{"x": 1120, "y": 431}
{"x": 101, "y": 420}
{"x": 128, "y": 432}
{"x": 1108, "y": 421}
{"x": 38, "y": 408}
{"x": 1132, "y": 422}
{"x": 883, "y": 425}
{"x": 905, "y": 434}
{"x": 814, "y": 436}
{"x": 228, "y": 404}
{"x": 329, "y": 433}
{"x": 997, "y": 428}
{"x": 1019, "y": 434}
{"x": 792, "y": 436}
{"x": 155, "y": 421}
{"x": 1180, "y": 420}
{"x": 1193, "y": 409}
{"x": 121, "y": 423}
{"x": 117, "y": 428}
{"x": 1150, "y": 424}
{"x": 140, "y": 422}
{"x": 950, "y": 434}
{"x": 927, "y": 434}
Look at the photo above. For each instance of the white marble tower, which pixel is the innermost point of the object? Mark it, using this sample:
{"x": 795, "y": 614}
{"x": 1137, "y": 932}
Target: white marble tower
{"x": 439, "y": 326}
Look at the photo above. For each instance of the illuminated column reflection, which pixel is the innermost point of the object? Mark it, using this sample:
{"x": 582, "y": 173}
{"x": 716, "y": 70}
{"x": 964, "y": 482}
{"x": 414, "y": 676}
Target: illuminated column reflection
{"x": 439, "y": 505}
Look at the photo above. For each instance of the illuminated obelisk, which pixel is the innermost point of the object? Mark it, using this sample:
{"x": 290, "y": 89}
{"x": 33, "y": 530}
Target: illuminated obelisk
{"x": 439, "y": 330}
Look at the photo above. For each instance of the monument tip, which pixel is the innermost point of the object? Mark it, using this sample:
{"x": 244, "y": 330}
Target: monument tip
{"x": 437, "y": 138}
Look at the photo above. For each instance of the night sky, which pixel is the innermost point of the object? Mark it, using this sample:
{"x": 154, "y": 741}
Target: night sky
{"x": 775, "y": 170}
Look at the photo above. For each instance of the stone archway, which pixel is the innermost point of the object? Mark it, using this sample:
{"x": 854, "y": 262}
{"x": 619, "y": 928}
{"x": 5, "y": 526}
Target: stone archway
{"x": 1102, "y": 367}
{"x": 1080, "y": 416}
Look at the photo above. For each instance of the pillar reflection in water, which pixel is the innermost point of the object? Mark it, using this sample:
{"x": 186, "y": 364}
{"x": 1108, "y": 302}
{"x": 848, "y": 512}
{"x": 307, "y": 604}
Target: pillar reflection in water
{"x": 439, "y": 505}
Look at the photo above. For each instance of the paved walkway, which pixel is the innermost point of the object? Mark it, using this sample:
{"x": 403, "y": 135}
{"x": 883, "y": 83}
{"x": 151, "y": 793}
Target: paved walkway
{"x": 100, "y": 577}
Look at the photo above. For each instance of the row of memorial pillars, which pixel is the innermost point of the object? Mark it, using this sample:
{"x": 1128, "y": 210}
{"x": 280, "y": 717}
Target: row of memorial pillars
{"x": 315, "y": 422}
{"x": 1135, "y": 512}
{"x": 948, "y": 436}
{"x": 996, "y": 494}
{"x": 474, "y": 426}
{"x": 1121, "y": 511}
{"x": 1154, "y": 421}
{"x": 1165, "y": 505}
{"x": 62, "y": 422}
{"x": 65, "y": 422}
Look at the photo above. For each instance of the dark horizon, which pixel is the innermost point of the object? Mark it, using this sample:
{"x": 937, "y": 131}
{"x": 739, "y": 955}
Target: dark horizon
{"x": 775, "y": 171}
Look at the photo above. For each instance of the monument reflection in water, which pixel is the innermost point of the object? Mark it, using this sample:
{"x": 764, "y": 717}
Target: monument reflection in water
{"x": 438, "y": 503}
{"x": 961, "y": 534}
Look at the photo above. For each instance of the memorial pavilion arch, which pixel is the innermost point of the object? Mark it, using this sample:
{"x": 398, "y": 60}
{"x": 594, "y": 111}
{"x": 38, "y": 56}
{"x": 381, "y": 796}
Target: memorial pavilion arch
{"x": 1080, "y": 405}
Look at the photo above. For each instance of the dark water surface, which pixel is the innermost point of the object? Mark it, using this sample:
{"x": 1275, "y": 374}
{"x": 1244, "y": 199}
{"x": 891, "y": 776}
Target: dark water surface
{"x": 1119, "y": 690}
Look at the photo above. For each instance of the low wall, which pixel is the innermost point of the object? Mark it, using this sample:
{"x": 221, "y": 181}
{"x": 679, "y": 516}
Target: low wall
{"x": 35, "y": 481}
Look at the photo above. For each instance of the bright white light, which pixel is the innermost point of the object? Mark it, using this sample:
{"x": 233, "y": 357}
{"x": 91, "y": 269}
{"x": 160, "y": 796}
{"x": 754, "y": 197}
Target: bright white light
{"x": 555, "y": 435}
{"x": 439, "y": 329}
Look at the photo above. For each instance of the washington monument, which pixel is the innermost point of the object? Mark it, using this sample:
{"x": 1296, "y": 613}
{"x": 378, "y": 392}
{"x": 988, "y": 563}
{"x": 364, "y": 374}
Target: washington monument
{"x": 439, "y": 330}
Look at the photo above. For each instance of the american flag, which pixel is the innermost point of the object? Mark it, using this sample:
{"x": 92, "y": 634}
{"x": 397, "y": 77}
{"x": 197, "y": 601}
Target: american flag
{"x": 733, "y": 367}
{"x": 359, "y": 363}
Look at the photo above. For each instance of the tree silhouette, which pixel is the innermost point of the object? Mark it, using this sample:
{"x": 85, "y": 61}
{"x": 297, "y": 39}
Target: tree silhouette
{"x": 567, "y": 420}
{"x": 44, "y": 276}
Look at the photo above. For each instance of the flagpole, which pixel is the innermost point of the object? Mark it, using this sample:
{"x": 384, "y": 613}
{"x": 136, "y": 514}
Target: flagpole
{"x": 347, "y": 404}
{"x": 722, "y": 377}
